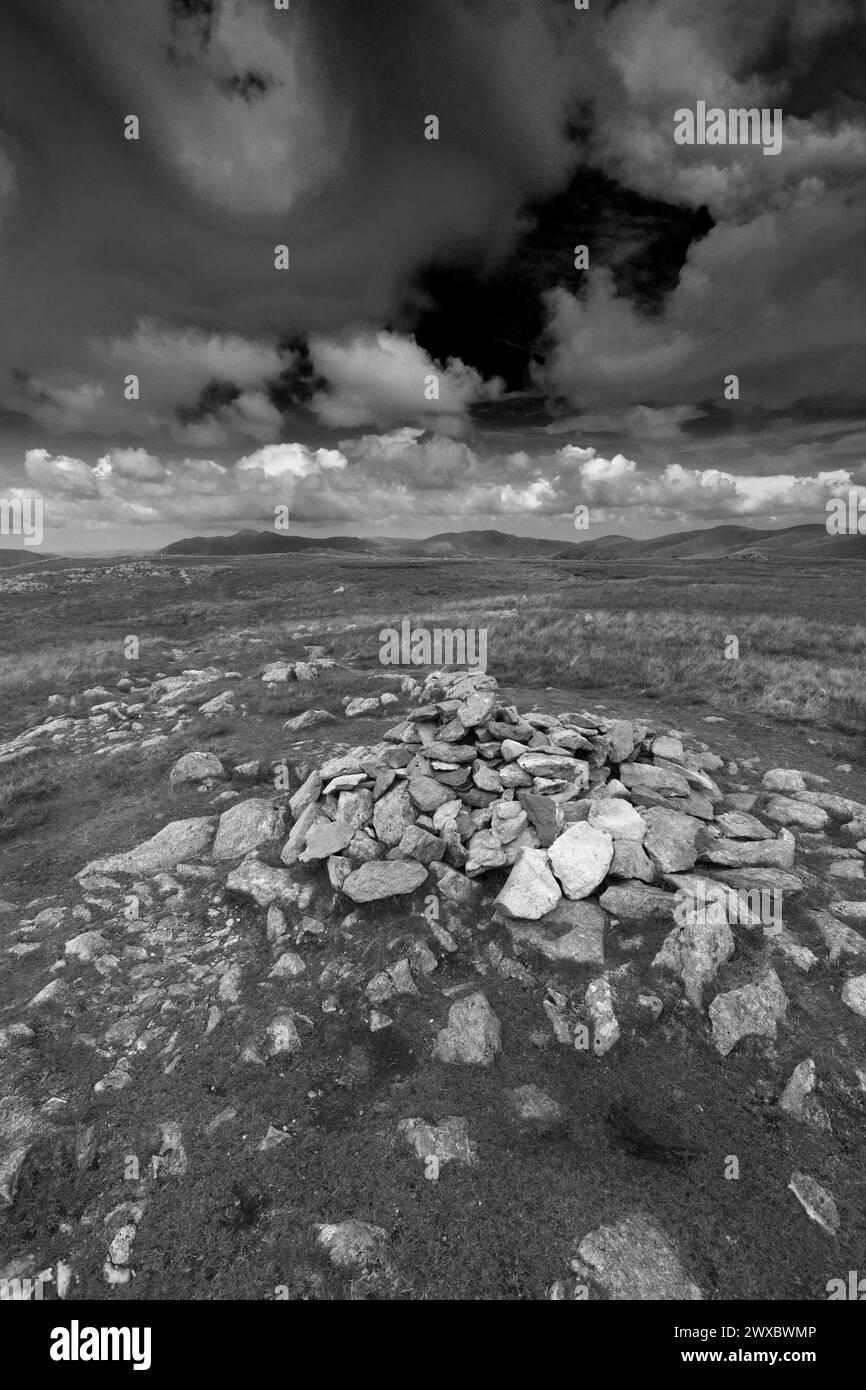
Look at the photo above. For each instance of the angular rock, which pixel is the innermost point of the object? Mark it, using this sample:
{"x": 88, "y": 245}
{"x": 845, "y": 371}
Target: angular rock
{"x": 419, "y": 844}
{"x": 281, "y": 1036}
{"x": 619, "y": 819}
{"x": 739, "y": 825}
{"x": 310, "y": 719}
{"x": 784, "y": 810}
{"x": 246, "y": 826}
{"x": 545, "y": 815}
{"x": 384, "y": 878}
{"x": 630, "y": 861}
{"x": 306, "y": 795}
{"x": 393, "y": 815}
{"x": 751, "y": 1010}
{"x": 599, "y": 1005}
{"x": 580, "y": 858}
{"x": 267, "y": 886}
{"x": 352, "y": 1244}
{"x": 671, "y": 839}
{"x": 783, "y": 779}
{"x": 695, "y": 952}
{"x": 634, "y": 1259}
{"x": 325, "y": 838}
{"x": 530, "y": 889}
{"x": 839, "y": 939}
{"x": 854, "y": 995}
{"x": 428, "y": 794}
{"x": 799, "y": 1100}
{"x": 473, "y": 1034}
{"x": 177, "y": 842}
{"x": 195, "y": 768}
{"x": 771, "y": 854}
{"x": 532, "y": 1106}
{"x": 816, "y": 1201}
{"x": 446, "y": 1142}
{"x": 636, "y": 902}
{"x": 646, "y": 776}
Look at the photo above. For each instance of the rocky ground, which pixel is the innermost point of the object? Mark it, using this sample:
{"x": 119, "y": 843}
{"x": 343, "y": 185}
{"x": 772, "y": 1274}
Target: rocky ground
{"x": 488, "y": 1002}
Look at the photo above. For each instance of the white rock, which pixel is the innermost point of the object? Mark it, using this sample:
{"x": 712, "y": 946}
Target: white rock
{"x": 580, "y": 858}
{"x": 530, "y": 889}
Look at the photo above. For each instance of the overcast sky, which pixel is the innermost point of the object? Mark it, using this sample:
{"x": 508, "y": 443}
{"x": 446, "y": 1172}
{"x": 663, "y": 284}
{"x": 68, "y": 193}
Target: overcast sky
{"x": 411, "y": 258}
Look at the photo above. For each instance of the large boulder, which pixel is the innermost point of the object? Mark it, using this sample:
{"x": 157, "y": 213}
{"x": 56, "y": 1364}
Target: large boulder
{"x": 245, "y": 827}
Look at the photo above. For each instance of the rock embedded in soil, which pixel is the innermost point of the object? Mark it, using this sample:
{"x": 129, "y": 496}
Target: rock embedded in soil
{"x": 447, "y": 1141}
{"x": 176, "y": 842}
{"x": 635, "y": 1259}
{"x": 695, "y": 952}
{"x": 473, "y": 1034}
{"x": 352, "y": 1244}
{"x": 534, "y": 1108}
{"x": 752, "y": 1010}
{"x": 267, "y": 886}
{"x": 599, "y": 1006}
{"x": 799, "y": 1100}
{"x": 818, "y": 1204}
{"x": 854, "y": 995}
{"x": 195, "y": 768}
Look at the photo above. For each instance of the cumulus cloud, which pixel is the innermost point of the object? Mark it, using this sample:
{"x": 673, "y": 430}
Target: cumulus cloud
{"x": 136, "y": 464}
{"x": 781, "y": 303}
{"x": 384, "y": 379}
{"x": 371, "y": 487}
{"x": 290, "y": 461}
{"x": 164, "y": 355}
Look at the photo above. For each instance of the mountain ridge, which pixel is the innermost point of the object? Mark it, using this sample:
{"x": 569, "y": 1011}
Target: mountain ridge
{"x": 726, "y": 541}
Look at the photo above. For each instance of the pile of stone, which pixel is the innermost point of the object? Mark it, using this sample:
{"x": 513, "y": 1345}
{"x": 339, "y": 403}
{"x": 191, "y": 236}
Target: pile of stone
{"x": 566, "y": 802}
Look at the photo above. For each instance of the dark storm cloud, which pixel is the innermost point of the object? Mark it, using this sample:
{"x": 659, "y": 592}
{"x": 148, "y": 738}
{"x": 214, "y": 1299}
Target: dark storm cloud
{"x": 413, "y": 258}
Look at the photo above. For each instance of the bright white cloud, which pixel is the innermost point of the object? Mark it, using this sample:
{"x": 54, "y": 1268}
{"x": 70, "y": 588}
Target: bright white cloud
{"x": 386, "y": 379}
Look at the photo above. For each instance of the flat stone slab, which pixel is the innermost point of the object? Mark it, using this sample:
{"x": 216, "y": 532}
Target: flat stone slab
{"x": 326, "y": 838}
{"x": 176, "y": 842}
{"x": 637, "y": 902}
{"x": 768, "y": 854}
{"x": 384, "y": 878}
{"x": 266, "y": 885}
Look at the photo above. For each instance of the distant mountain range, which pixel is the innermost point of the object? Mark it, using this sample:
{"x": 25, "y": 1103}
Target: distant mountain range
{"x": 808, "y": 542}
